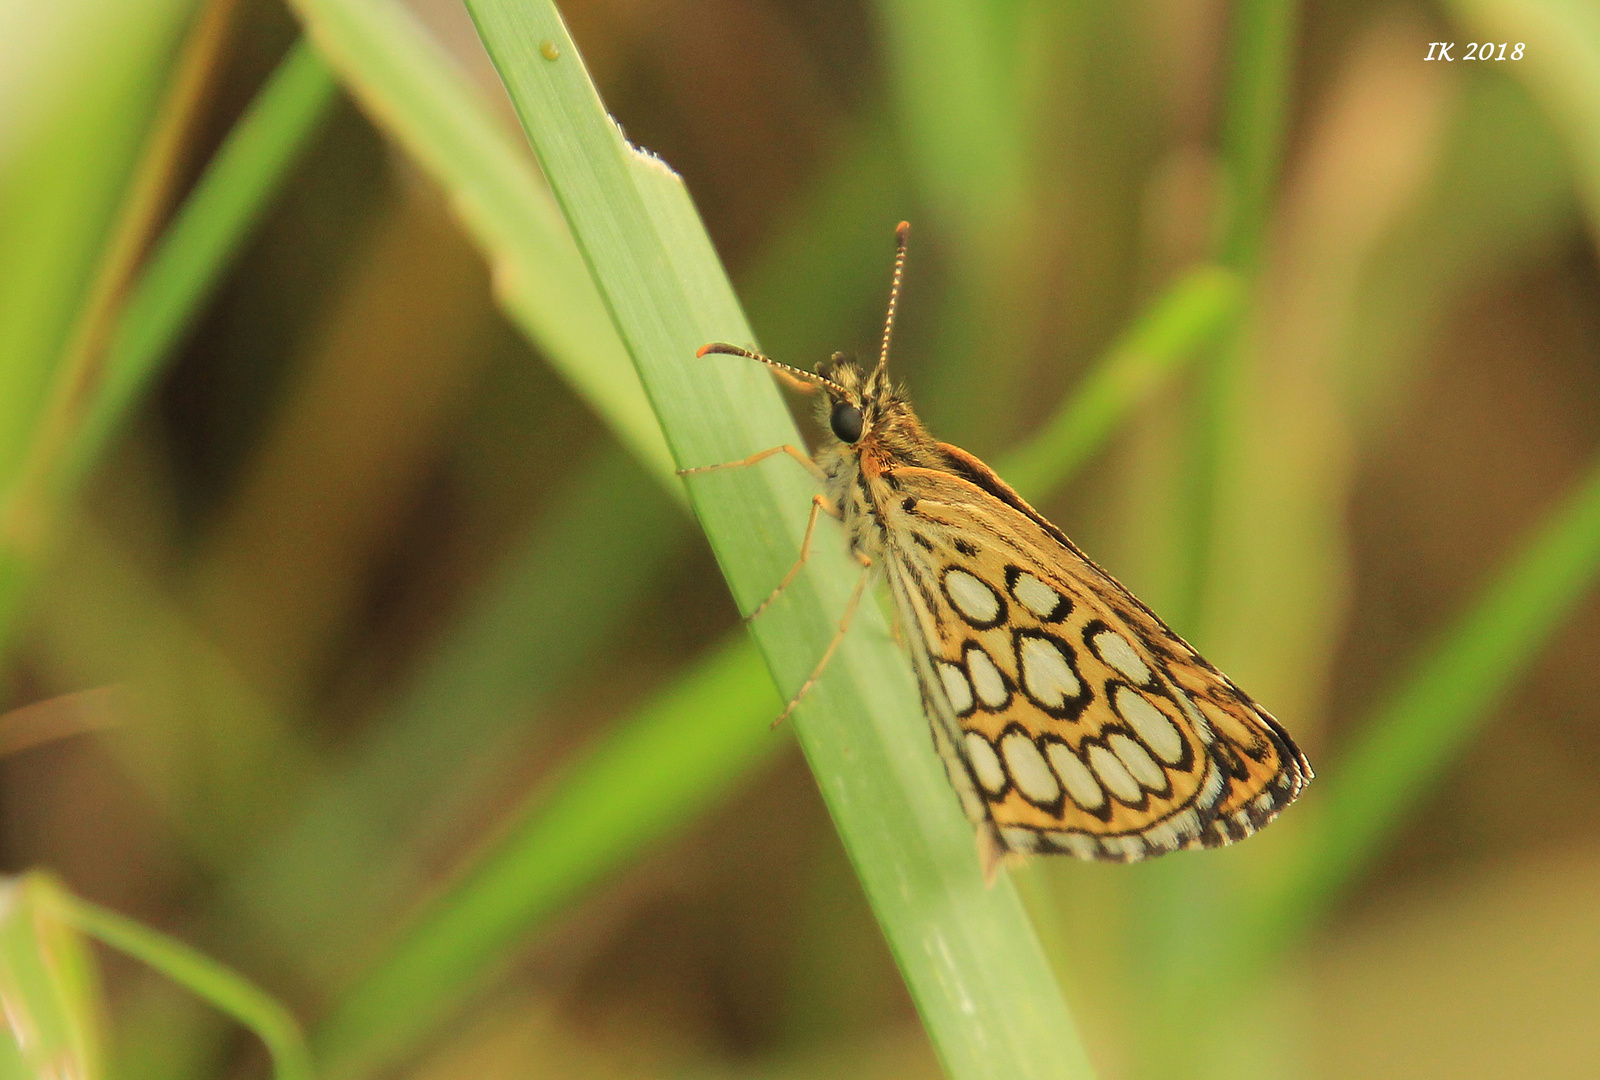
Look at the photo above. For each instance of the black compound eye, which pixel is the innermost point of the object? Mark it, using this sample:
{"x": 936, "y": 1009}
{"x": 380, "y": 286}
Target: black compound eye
{"x": 846, "y": 421}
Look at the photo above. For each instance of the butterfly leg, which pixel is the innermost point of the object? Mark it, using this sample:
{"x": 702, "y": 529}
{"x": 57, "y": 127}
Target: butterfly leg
{"x": 820, "y": 504}
{"x": 838, "y": 636}
{"x": 793, "y": 451}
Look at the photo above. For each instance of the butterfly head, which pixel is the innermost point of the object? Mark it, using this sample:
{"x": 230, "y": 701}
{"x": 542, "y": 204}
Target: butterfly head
{"x": 858, "y": 402}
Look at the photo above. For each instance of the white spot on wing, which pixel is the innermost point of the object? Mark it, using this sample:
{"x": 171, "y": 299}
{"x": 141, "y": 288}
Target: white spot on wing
{"x": 1028, "y": 770}
{"x": 986, "y": 678}
{"x": 1075, "y": 777}
{"x": 1152, "y": 725}
{"x": 1046, "y": 673}
{"x": 1035, "y": 595}
{"x": 985, "y": 763}
{"x": 1115, "y": 650}
{"x": 1139, "y": 762}
{"x": 971, "y": 597}
{"x": 1114, "y": 775}
{"x": 956, "y": 687}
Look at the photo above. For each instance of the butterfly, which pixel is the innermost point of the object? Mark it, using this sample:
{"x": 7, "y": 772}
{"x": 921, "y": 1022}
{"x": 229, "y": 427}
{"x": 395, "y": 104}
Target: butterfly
{"x": 1070, "y": 718}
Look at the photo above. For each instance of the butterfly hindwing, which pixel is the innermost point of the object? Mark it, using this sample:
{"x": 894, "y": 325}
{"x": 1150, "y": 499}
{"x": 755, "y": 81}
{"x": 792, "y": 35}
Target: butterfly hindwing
{"x": 1075, "y": 719}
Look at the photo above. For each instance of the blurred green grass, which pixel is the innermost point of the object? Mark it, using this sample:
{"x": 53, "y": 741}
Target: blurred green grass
{"x": 533, "y": 627}
{"x": 55, "y": 1008}
{"x": 204, "y": 977}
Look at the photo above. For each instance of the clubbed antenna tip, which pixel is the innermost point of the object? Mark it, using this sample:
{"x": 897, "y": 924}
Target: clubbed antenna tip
{"x": 901, "y": 232}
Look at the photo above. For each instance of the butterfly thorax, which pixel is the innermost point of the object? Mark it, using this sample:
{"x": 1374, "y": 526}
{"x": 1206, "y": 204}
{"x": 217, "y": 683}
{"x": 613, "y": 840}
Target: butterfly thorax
{"x": 861, "y": 472}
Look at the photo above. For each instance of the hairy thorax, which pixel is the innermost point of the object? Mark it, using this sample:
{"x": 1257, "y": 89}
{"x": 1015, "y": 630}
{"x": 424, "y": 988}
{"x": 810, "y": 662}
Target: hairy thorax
{"x": 861, "y": 477}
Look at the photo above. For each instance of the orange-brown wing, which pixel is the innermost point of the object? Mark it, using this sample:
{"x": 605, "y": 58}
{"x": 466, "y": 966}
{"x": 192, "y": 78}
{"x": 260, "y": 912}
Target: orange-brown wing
{"x": 1070, "y": 717}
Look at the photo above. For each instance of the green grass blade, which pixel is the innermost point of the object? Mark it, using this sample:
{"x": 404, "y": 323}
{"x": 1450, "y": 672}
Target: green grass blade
{"x": 1187, "y": 316}
{"x": 71, "y": 141}
{"x": 210, "y": 227}
{"x": 1261, "y": 71}
{"x": 208, "y": 979}
{"x": 411, "y": 90}
{"x": 1261, "y": 65}
{"x": 965, "y": 950}
{"x": 49, "y": 986}
{"x": 67, "y": 160}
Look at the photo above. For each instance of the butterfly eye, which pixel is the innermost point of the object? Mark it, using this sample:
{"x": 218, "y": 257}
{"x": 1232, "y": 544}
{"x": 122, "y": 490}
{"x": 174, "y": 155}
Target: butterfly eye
{"x": 846, "y": 421}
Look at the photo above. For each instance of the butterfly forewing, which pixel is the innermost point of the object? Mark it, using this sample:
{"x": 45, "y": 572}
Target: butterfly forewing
{"x": 1076, "y": 720}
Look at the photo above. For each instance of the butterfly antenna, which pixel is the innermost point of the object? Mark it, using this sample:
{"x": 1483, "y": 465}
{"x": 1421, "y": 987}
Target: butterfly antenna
{"x": 901, "y": 232}
{"x": 798, "y": 378}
